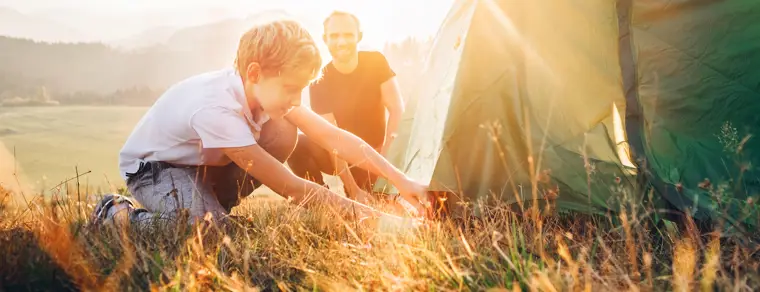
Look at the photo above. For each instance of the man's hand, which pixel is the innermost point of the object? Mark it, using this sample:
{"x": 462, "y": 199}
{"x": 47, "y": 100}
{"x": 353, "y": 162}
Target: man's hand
{"x": 342, "y": 167}
{"x": 354, "y": 150}
{"x": 273, "y": 174}
{"x": 362, "y": 196}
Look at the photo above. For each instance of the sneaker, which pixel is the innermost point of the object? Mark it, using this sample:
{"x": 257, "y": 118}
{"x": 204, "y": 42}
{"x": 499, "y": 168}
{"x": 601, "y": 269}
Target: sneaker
{"x": 112, "y": 208}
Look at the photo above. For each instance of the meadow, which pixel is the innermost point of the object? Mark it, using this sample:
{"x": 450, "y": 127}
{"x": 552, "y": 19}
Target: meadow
{"x": 52, "y": 144}
{"x": 271, "y": 245}
{"x": 43, "y": 147}
{"x": 274, "y": 246}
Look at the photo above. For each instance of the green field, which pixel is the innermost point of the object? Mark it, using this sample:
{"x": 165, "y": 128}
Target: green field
{"x": 52, "y": 143}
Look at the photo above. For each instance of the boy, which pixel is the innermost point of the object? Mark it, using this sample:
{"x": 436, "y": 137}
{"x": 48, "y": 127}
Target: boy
{"x": 213, "y": 138}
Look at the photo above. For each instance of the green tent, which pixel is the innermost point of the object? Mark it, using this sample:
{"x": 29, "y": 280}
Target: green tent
{"x": 602, "y": 94}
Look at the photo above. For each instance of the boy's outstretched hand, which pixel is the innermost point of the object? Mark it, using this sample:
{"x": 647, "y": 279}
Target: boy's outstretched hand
{"x": 415, "y": 193}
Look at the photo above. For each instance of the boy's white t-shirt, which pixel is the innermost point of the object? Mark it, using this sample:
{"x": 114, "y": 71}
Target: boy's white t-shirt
{"x": 190, "y": 122}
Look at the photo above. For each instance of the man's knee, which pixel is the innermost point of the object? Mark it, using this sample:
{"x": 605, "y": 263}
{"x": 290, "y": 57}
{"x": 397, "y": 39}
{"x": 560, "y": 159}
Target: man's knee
{"x": 279, "y": 138}
{"x": 309, "y": 156}
{"x": 304, "y": 146}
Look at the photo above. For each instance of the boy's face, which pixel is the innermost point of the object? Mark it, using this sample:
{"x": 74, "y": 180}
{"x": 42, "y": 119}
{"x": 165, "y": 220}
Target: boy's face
{"x": 277, "y": 95}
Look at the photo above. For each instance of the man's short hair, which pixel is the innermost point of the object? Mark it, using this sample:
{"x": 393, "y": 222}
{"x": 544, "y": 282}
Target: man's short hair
{"x": 341, "y": 13}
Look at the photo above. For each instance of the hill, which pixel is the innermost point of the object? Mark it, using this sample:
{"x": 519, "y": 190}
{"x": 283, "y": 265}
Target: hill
{"x": 97, "y": 73}
{"x": 83, "y": 70}
{"x": 16, "y": 24}
{"x": 69, "y": 71}
{"x": 146, "y": 38}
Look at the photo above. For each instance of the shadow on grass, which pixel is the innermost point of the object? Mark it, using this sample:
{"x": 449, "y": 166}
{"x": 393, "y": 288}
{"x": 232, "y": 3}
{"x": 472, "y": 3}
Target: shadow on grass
{"x": 26, "y": 266}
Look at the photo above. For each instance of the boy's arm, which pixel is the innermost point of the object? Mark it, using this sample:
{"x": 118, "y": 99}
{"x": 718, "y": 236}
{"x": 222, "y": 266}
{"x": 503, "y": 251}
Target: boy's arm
{"x": 223, "y": 128}
{"x": 394, "y": 103}
{"x": 270, "y": 172}
{"x": 356, "y": 151}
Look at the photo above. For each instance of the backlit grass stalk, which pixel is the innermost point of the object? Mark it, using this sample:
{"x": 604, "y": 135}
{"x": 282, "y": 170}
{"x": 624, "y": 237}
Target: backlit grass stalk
{"x": 276, "y": 245}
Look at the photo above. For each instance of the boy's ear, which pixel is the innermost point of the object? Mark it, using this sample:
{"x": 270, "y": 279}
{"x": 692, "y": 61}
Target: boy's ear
{"x": 324, "y": 38}
{"x": 253, "y": 72}
{"x": 361, "y": 35}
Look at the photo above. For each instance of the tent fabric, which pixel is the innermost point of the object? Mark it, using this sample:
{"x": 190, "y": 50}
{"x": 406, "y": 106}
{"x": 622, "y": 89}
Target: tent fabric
{"x": 515, "y": 88}
{"x": 697, "y": 86}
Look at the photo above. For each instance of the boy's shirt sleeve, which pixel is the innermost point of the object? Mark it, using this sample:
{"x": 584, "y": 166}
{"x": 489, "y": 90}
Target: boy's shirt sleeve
{"x": 220, "y": 127}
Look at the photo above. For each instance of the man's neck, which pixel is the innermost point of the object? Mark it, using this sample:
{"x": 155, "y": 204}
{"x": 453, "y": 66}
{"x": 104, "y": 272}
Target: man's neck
{"x": 348, "y": 66}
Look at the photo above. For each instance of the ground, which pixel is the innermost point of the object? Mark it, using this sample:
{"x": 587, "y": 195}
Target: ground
{"x": 271, "y": 245}
{"x": 53, "y": 144}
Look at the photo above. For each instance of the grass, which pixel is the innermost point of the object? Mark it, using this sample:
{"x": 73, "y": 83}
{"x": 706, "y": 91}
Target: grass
{"x": 52, "y": 144}
{"x": 272, "y": 245}
{"x": 49, "y": 142}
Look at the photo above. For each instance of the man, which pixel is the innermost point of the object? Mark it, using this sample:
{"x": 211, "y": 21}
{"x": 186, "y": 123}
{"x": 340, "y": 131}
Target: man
{"x": 355, "y": 91}
{"x": 213, "y": 138}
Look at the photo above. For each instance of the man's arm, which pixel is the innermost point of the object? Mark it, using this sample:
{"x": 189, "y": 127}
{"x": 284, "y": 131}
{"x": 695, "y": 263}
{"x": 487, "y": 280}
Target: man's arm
{"x": 270, "y": 172}
{"x": 322, "y": 103}
{"x": 394, "y": 103}
{"x": 342, "y": 167}
{"x": 354, "y": 150}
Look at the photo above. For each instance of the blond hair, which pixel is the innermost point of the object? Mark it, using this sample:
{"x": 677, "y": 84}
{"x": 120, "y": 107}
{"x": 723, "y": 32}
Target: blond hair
{"x": 279, "y": 46}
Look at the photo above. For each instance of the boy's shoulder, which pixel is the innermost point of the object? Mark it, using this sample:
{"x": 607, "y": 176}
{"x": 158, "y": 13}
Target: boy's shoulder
{"x": 209, "y": 79}
{"x": 207, "y": 87}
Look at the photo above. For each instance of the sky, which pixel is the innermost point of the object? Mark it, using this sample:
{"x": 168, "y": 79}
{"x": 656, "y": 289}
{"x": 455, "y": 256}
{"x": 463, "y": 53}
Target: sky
{"x": 383, "y": 20}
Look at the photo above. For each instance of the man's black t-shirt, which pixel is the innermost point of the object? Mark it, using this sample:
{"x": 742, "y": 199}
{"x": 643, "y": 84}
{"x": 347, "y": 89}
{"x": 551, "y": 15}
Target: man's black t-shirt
{"x": 355, "y": 98}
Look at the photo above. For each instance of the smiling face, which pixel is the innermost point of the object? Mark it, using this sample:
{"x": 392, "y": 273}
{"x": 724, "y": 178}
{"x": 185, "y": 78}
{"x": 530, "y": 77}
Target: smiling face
{"x": 342, "y": 35}
{"x": 277, "y": 95}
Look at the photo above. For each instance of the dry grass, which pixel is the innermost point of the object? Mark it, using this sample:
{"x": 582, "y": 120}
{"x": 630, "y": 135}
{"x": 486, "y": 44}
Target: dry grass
{"x": 274, "y": 246}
